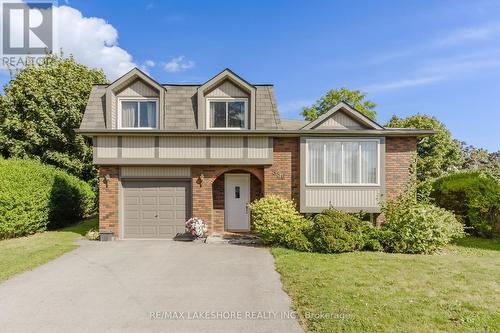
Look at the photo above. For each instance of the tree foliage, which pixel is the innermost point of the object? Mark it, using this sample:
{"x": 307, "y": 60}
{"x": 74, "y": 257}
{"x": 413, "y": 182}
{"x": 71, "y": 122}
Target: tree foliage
{"x": 355, "y": 98}
{"x": 40, "y": 110}
{"x": 437, "y": 154}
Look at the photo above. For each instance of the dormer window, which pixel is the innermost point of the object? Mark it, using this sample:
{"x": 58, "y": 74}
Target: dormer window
{"x": 141, "y": 113}
{"x": 227, "y": 113}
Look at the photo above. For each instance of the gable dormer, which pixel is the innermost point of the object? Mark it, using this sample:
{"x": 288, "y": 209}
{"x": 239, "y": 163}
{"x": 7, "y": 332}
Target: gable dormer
{"x": 342, "y": 116}
{"x": 134, "y": 101}
{"x": 226, "y": 102}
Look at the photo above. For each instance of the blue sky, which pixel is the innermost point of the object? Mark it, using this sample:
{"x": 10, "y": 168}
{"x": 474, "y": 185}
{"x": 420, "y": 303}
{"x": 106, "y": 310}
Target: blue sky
{"x": 440, "y": 58}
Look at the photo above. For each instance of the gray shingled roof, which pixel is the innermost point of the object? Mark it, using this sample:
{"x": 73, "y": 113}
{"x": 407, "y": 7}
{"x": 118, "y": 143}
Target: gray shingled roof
{"x": 93, "y": 118}
{"x": 293, "y": 124}
{"x": 181, "y": 108}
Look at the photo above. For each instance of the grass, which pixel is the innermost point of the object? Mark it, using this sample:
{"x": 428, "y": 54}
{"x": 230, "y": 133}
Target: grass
{"x": 457, "y": 290}
{"x": 25, "y": 253}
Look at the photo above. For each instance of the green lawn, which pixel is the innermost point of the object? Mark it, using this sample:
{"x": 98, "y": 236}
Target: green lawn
{"x": 457, "y": 290}
{"x": 21, "y": 254}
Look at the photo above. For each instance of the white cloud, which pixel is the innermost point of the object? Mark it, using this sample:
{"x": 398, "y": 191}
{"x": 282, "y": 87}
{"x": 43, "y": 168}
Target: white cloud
{"x": 460, "y": 36}
{"x": 92, "y": 41}
{"x": 394, "y": 85}
{"x": 178, "y": 64}
{"x": 149, "y": 63}
{"x": 442, "y": 69}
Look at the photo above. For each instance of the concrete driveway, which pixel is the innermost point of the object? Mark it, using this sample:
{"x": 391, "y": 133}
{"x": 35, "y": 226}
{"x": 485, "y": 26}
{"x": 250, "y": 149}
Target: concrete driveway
{"x": 154, "y": 286}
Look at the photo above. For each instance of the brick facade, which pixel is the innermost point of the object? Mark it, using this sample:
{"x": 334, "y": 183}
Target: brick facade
{"x": 108, "y": 199}
{"x": 398, "y": 155}
{"x": 283, "y": 176}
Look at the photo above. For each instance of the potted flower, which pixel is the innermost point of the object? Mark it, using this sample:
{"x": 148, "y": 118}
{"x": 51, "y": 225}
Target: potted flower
{"x": 196, "y": 226}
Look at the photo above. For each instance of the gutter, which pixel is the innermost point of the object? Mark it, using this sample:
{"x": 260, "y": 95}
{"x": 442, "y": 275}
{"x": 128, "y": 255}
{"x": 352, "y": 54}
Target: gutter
{"x": 399, "y": 132}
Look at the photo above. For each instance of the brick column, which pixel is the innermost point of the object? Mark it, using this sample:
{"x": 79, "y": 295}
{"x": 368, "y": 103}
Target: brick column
{"x": 398, "y": 155}
{"x": 108, "y": 199}
{"x": 283, "y": 176}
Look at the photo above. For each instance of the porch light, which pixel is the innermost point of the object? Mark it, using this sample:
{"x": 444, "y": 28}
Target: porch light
{"x": 107, "y": 177}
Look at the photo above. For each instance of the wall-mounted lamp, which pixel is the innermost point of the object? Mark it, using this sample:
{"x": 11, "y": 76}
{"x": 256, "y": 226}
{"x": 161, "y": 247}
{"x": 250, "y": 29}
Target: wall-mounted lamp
{"x": 201, "y": 178}
{"x": 107, "y": 177}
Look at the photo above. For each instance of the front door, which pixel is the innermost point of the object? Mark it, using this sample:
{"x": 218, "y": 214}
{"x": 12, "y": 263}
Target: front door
{"x": 237, "y": 198}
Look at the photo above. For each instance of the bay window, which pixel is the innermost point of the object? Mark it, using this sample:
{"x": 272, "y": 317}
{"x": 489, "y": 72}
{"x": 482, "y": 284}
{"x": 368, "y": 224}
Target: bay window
{"x": 342, "y": 162}
{"x": 227, "y": 113}
{"x": 138, "y": 114}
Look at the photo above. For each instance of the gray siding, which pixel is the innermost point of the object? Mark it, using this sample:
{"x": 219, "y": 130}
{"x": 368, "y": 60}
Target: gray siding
{"x": 227, "y": 147}
{"x": 138, "y": 89}
{"x": 227, "y": 89}
{"x": 183, "y": 150}
{"x": 342, "y": 198}
{"x": 138, "y": 147}
{"x": 340, "y": 120}
{"x": 155, "y": 172}
{"x": 106, "y": 146}
{"x": 182, "y": 147}
{"x": 258, "y": 147}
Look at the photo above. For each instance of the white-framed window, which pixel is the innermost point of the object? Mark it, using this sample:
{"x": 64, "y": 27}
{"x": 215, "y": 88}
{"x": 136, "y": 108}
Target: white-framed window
{"x": 227, "y": 113}
{"x": 138, "y": 113}
{"x": 348, "y": 162}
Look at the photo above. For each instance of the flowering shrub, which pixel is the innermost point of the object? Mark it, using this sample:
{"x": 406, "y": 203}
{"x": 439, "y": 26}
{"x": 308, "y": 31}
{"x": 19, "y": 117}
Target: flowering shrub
{"x": 196, "y": 226}
{"x": 92, "y": 234}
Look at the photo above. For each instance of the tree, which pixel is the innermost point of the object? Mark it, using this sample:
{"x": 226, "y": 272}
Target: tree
{"x": 437, "y": 154}
{"x": 40, "y": 110}
{"x": 355, "y": 98}
{"x": 475, "y": 158}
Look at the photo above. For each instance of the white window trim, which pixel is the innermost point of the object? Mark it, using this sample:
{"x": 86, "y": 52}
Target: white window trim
{"x": 378, "y": 141}
{"x": 226, "y": 99}
{"x": 137, "y": 99}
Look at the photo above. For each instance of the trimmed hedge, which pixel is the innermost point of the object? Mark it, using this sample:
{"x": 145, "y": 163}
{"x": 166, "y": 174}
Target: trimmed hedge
{"x": 35, "y": 197}
{"x": 473, "y": 197}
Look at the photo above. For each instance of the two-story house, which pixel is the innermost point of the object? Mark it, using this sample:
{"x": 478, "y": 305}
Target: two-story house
{"x": 168, "y": 152}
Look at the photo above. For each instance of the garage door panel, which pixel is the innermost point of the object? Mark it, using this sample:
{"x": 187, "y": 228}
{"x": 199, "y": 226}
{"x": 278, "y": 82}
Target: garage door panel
{"x": 166, "y": 201}
{"x": 155, "y": 209}
{"x": 149, "y": 230}
{"x": 148, "y": 216}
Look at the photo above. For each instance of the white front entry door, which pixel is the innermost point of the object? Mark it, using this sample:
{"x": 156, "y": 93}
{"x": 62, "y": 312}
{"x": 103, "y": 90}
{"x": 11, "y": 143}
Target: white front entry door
{"x": 237, "y": 198}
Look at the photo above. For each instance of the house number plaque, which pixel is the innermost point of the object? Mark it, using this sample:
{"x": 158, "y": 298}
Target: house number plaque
{"x": 278, "y": 175}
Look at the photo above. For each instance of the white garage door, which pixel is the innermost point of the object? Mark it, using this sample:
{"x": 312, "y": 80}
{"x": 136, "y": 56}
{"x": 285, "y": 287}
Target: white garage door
{"x": 155, "y": 209}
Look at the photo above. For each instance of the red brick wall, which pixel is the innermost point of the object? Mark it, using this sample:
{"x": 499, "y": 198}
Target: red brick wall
{"x": 283, "y": 176}
{"x": 108, "y": 199}
{"x": 398, "y": 155}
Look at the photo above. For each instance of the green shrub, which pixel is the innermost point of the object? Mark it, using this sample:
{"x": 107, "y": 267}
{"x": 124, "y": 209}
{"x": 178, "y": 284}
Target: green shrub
{"x": 277, "y": 222}
{"x": 334, "y": 231}
{"x": 473, "y": 197}
{"x": 34, "y": 197}
{"x": 419, "y": 228}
